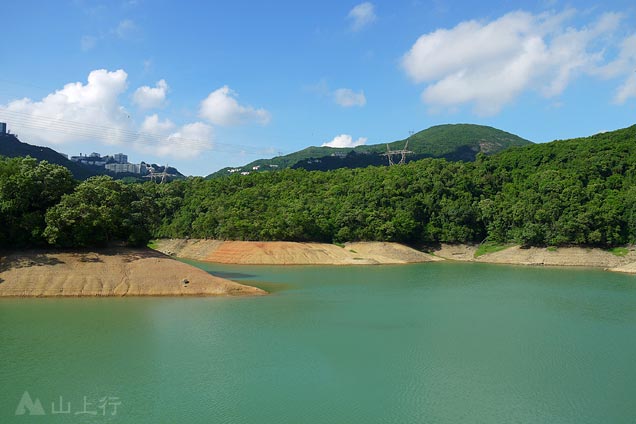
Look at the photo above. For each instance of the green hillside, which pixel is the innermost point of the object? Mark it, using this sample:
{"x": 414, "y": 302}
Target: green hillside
{"x": 452, "y": 141}
{"x": 569, "y": 192}
{"x": 11, "y": 147}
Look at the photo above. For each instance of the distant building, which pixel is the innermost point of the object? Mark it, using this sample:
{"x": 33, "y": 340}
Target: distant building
{"x": 93, "y": 159}
{"x": 120, "y": 158}
{"x": 3, "y": 127}
{"x": 118, "y": 168}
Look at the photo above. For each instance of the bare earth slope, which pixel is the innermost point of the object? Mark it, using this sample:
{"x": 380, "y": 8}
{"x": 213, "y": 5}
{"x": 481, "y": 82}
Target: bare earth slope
{"x": 292, "y": 253}
{"x": 562, "y": 256}
{"x": 111, "y": 272}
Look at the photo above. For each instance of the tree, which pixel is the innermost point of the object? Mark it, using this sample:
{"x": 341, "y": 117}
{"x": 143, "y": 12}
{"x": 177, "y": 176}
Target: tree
{"x": 100, "y": 210}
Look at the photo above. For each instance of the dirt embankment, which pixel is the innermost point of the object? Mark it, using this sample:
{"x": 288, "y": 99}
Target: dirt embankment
{"x": 110, "y": 272}
{"x": 562, "y": 256}
{"x": 291, "y": 253}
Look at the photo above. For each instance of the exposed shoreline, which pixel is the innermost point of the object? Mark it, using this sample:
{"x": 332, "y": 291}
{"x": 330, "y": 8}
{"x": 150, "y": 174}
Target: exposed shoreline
{"x": 291, "y": 253}
{"x": 365, "y": 253}
{"x": 147, "y": 272}
{"x": 108, "y": 272}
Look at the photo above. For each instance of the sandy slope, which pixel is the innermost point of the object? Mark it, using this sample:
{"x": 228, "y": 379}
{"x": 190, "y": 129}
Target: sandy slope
{"x": 563, "y": 256}
{"x": 111, "y": 272}
{"x": 291, "y": 253}
{"x": 626, "y": 269}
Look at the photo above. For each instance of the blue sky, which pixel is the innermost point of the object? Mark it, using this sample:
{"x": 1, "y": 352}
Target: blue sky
{"x": 203, "y": 85}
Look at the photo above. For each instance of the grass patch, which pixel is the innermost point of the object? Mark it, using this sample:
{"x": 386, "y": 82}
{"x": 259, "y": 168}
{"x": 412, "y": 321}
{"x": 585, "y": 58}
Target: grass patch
{"x": 490, "y": 247}
{"x": 619, "y": 251}
{"x": 552, "y": 248}
{"x": 339, "y": 244}
{"x": 352, "y": 251}
{"x": 152, "y": 244}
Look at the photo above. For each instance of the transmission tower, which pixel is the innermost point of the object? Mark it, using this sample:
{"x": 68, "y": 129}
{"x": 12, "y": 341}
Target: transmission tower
{"x": 165, "y": 174}
{"x": 401, "y": 153}
{"x": 158, "y": 176}
{"x": 151, "y": 173}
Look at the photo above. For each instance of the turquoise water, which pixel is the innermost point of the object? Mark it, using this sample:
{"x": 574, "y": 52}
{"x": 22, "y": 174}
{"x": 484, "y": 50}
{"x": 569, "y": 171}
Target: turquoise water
{"x": 429, "y": 343}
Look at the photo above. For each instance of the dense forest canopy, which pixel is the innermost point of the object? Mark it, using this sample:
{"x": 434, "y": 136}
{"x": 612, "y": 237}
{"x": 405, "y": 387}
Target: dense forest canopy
{"x": 580, "y": 191}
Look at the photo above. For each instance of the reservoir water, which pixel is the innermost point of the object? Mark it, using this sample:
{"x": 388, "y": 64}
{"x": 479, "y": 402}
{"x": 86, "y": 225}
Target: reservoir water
{"x": 427, "y": 343}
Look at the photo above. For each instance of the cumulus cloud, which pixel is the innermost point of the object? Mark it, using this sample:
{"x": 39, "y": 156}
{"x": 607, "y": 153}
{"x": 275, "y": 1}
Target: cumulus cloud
{"x": 91, "y": 112}
{"x": 154, "y": 126}
{"x": 489, "y": 64}
{"x": 346, "y": 97}
{"x": 161, "y": 138}
{"x": 151, "y": 97}
{"x": 345, "y": 140}
{"x": 362, "y": 16}
{"x": 221, "y": 107}
{"x": 78, "y": 112}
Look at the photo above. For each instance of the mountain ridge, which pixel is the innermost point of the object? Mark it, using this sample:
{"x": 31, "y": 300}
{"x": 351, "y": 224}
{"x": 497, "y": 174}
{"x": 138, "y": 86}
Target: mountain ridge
{"x": 450, "y": 141}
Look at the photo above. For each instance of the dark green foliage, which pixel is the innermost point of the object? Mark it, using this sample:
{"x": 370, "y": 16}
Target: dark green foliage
{"x": 579, "y": 191}
{"x": 27, "y": 189}
{"x": 574, "y": 192}
{"x": 99, "y": 211}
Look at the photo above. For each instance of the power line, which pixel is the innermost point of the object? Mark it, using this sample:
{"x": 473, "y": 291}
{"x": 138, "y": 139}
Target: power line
{"x": 116, "y": 134}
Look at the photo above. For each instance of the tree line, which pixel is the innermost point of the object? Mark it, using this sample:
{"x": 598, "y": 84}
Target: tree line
{"x": 569, "y": 192}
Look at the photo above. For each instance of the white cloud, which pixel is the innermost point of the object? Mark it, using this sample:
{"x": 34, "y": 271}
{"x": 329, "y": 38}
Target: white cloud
{"x": 78, "y": 112}
{"x": 626, "y": 90}
{"x": 623, "y": 65}
{"x": 362, "y": 16}
{"x": 489, "y": 64}
{"x": 91, "y": 112}
{"x": 222, "y": 108}
{"x": 346, "y": 97}
{"x": 148, "y": 97}
{"x": 345, "y": 140}
{"x": 159, "y": 138}
{"x": 154, "y": 126}
{"x": 197, "y": 136}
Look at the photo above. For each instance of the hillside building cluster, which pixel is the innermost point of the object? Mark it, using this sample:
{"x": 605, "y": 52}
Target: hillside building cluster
{"x": 117, "y": 163}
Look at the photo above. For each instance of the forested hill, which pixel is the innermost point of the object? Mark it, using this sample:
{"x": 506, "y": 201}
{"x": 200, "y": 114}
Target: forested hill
{"x": 451, "y": 141}
{"x": 11, "y": 147}
{"x": 571, "y": 192}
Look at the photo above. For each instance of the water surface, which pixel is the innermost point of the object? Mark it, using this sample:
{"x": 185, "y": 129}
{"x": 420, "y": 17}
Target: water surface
{"x": 428, "y": 343}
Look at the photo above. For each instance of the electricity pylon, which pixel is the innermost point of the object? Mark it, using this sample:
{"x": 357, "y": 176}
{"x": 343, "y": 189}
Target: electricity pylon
{"x": 401, "y": 153}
